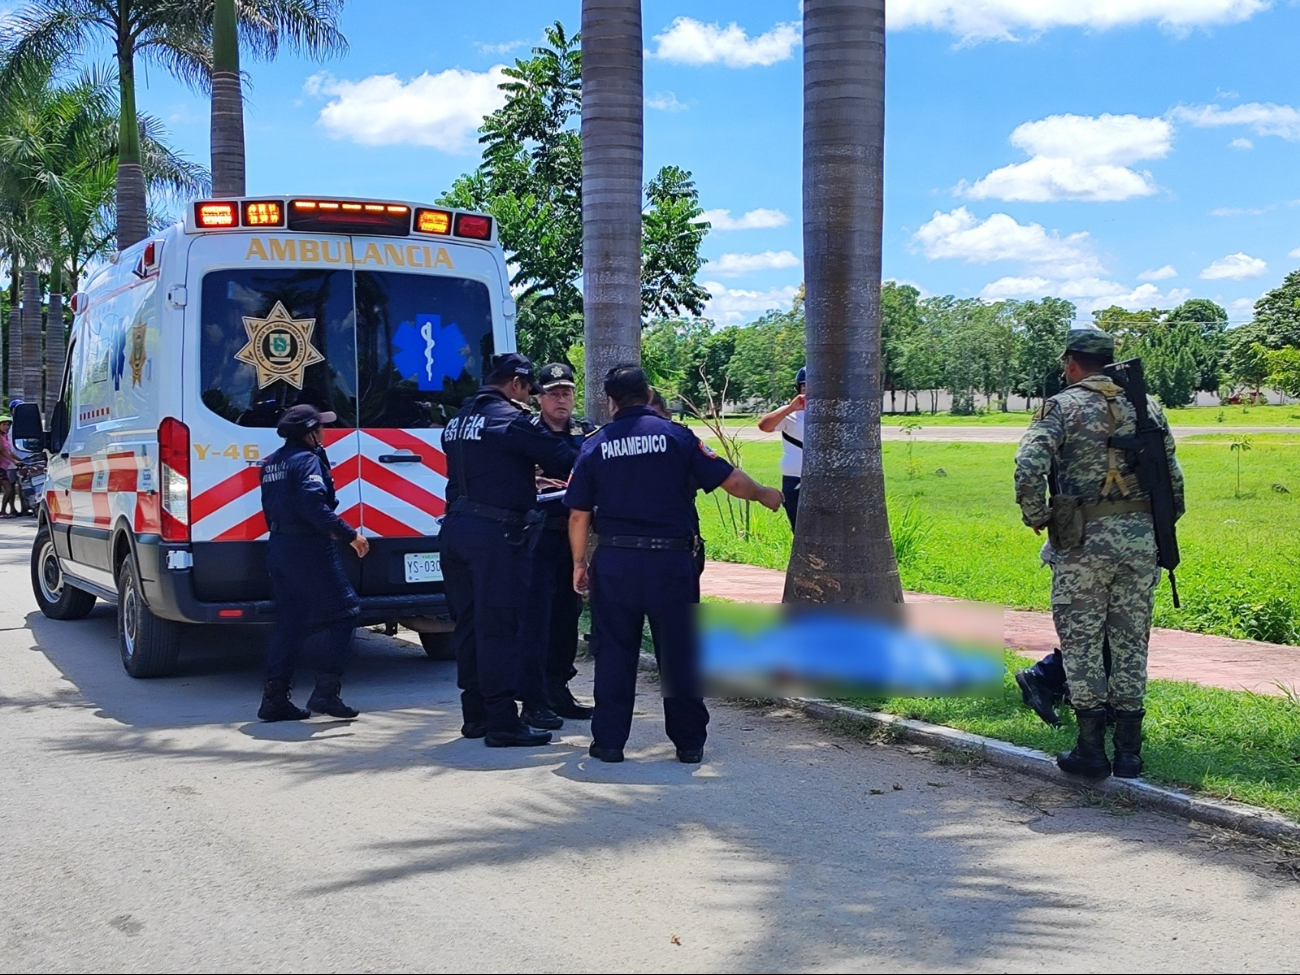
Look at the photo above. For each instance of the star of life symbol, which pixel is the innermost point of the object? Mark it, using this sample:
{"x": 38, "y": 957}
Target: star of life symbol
{"x": 429, "y": 351}
{"x": 279, "y": 347}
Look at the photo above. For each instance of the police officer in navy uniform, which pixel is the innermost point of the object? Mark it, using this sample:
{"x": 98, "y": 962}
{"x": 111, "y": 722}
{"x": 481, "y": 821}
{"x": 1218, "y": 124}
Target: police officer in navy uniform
{"x": 639, "y": 474}
{"x": 555, "y": 608}
{"x": 311, "y": 591}
{"x": 493, "y": 448}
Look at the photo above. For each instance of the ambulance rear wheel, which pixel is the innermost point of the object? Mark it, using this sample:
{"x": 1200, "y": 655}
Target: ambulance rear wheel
{"x": 437, "y": 646}
{"x": 57, "y": 598}
{"x": 149, "y": 645}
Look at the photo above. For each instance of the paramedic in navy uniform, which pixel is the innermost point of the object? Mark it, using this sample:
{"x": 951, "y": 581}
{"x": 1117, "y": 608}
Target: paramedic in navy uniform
{"x": 493, "y": 448}
{"x": 310, "y": 588}
{"x": 639, "y": 474}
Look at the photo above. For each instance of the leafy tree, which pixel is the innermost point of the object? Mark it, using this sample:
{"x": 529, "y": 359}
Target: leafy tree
{"x": 1284, "y": 370}
{"x": 899, "y": 319}
{"x": 1277, "y": 314}
{"x": 925, "y": 351}
{"x": 766, "y": 357}
{"x": 1246, "y": 357}
{"x": 1042, "y": 327}
{"x": 1211, "y": 322}
{"x": 530, "y": 180}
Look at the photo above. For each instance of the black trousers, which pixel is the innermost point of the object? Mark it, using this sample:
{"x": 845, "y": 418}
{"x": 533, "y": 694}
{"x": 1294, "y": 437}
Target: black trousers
{"x": 627, "y": 587}
{"x": 487, "y": 579}
{"x": 790, "y": 488}
{"x": 313, "y": 598}
{"x": 551, "y": 631}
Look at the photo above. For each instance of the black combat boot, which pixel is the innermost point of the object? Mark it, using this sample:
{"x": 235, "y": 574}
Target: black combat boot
{"x": 325, "y": 699}
{"x": 1128, "y": 743}
{"x": 1088, "y": 757}
{"x": 543, "y": 718}
{"x": 1037, "y": 696}
{"x": 566, "y": 705}
{"x": 276, "y": 705}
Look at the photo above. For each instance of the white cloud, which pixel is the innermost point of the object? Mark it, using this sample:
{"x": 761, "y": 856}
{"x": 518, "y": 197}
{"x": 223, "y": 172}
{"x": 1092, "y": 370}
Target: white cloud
{"x": 734, "y": 265}
{"x": 1013, "y": 287}
{"x": 960, "y": 235}
{"x": 1294, "y": 253}
{"x": 759, "y": 219}
{"x": 1240, "y": 143}
{"x": 1264, "y": 118}
{"x": 1003, "y": 19}
{"x": 1078, "y": 157}
{"x": 690, "y": 41}
{"x": 1241, "y": 309}
{"x": 442, "y": 110}
{"x": 664, "y": 101}
{"x": 735, "y": 306}
{"x": 1158, "y": 274}
{"x": 1239, "y": 211}
{"x": 1093, "y": 293}
{"x": 1235, "y": 267}
{"x": 503, "y": 48}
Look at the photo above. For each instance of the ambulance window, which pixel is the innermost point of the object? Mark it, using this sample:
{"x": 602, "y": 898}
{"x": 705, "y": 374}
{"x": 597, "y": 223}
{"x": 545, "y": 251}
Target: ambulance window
{"x": 422, "y": 340}
{"x": 275, "y": 337}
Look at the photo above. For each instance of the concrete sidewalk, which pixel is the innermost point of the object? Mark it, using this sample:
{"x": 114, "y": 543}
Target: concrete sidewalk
{"x": 1175, "y": 654}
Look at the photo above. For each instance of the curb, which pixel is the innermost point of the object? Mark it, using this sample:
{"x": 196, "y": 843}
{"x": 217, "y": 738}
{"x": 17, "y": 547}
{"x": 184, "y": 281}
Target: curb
{"x": 1029, "y": 761}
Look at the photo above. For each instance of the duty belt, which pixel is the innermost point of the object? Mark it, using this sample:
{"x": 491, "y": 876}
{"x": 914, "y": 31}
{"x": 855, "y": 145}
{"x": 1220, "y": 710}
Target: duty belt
{"x": 647, "y": 543}
{"x": 1099, "y": 509}
{"x": 506, "y": 516}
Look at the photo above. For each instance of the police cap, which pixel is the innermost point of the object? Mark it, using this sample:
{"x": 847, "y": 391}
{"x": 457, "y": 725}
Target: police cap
{"x": 510, "y": 366}
{"x": 1089, "y": 341}
{"x": 300, "y": 420}
{"x": 556, "y": 374}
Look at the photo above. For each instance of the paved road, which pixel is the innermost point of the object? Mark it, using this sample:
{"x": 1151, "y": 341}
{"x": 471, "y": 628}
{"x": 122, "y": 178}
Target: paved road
{"x": 1007, "y": 434}
{"x": 152, "y": 826}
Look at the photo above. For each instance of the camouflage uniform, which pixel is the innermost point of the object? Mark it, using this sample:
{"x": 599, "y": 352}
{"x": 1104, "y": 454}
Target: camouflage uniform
{"x": 1106, "y": 585}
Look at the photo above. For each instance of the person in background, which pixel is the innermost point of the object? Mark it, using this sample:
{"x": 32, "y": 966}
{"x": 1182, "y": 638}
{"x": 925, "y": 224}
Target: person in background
{"x": 789, "y": 421}
{"x": 8, "y": 470}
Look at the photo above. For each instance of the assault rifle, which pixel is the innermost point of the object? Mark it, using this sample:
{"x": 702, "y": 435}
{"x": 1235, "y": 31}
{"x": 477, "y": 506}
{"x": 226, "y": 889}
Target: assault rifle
{"x": 1148, "y": 447}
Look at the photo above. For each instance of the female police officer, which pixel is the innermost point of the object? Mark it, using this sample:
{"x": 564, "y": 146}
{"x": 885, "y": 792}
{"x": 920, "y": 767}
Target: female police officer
{"x": 311, "y": 591}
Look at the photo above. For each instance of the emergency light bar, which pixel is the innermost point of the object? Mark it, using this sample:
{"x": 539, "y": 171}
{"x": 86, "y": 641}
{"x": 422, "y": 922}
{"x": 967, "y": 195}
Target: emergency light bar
{"x": 325, "y": 215}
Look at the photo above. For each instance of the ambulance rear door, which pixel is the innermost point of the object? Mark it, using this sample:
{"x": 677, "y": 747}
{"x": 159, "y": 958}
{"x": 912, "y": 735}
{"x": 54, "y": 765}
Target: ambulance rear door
{"x": 429, "y": 317}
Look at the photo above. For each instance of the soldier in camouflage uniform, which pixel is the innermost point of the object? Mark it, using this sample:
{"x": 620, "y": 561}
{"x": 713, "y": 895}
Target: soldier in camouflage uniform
{"x": 1102, "y": 548}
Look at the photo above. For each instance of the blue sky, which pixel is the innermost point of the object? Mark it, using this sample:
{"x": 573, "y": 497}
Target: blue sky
{"x": 1134, "y": 152}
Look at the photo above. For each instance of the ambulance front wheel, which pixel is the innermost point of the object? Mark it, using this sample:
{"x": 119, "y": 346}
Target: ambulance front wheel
{"x": 149, "y": 645}
{"x": 56, "y": 597}
{"x": 437, "y": 646}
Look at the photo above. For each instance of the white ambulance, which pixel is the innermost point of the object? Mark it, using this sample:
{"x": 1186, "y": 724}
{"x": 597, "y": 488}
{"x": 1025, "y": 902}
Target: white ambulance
{"x": 184, "y": 352}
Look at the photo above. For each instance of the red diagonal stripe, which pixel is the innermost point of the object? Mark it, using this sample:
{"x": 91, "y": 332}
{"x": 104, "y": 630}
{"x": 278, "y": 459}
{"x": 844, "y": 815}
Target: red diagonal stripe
{"x": 430, "y": 456}
{"x": 391, "y": 482}
{"x": 224, "y": 492}
{"x": 385, "y": 526}
{"x": 122, "y": 470}
{"x": 83, "y": 474}
{"x": 248, "y": 530}
{"x": 345, "y": 473}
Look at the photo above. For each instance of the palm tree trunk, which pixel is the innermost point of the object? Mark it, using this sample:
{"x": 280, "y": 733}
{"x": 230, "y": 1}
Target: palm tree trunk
{"x": 31, "y": 335}
{"x": 843, "y": 552}
{"x": 132, "y": 215}
{"x": 56, "y": 339}
{"x": 227, "y": 104}
{"x": 613, "y": 125}
{"x": 15, "y": 350}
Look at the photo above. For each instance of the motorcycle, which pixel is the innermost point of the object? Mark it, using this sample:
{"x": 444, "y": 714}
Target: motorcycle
{"x": 31, "y": 482}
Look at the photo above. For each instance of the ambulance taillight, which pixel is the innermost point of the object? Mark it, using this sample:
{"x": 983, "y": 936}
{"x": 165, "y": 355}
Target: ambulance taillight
{"x": 174, "y": 479}
{"x": 473, "y": 226}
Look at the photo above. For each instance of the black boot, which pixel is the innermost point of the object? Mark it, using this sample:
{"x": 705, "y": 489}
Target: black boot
{"x": 325, "y": 699}
{"x": 1088, "y": 757}
{"x": 1037, "y": 696}
{"x": 543, "y": 718}
{"x": 276, "y": 705}
{"x": 566, "y": 705}
{"x": 1128, "y": 743}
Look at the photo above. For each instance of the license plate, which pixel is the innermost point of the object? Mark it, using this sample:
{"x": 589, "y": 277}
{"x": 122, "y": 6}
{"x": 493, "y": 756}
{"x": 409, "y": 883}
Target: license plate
{"x": 423, "y": 567}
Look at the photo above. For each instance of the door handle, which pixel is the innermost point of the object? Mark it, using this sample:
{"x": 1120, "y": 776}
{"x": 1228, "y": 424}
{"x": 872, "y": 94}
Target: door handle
{"x": 399, "y": 459}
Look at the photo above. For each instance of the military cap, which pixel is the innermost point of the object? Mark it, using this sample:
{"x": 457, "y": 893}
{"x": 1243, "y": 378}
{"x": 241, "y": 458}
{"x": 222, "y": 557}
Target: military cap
{"x": 557, "y": 374}
{"x": 1090, "y": 341}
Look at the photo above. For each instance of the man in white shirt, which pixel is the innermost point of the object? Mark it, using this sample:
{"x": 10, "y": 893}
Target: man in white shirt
{"x": 789, "y": 421}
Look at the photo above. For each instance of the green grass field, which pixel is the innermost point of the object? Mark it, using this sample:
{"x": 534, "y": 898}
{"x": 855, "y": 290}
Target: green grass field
{"x": 960, "y": 534}
{"x": 1230, "y": 744}
{"x": 1196, "y": 416}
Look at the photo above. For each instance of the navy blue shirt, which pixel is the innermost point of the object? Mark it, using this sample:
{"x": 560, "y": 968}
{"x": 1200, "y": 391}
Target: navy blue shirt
{"x": 639, "y": 474}
{"x": 298, "y": 493}
{"x": 574, "y": 434}
{"x": 493, "y": 449}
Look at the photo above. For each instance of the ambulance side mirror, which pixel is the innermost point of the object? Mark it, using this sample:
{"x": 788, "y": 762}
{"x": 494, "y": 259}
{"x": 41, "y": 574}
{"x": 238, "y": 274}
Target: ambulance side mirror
{"x": 27, "y": 432}
{"x": 60, "y": 424}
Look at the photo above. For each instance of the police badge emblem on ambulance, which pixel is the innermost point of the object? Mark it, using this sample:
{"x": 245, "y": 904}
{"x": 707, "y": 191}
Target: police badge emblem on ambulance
{"x": 279, "y": 347}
